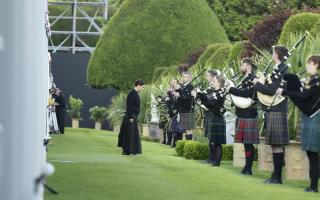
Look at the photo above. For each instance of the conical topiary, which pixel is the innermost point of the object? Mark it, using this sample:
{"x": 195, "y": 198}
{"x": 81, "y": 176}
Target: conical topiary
{"x": 145, "y": 34}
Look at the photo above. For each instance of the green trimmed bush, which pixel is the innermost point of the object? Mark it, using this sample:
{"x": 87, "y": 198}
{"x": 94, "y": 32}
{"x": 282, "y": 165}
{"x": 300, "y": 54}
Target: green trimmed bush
{"x": 315, "y": 29}
{"x": 298, "y": 24}
{"x": 180, "y": 147}
{"x": 220, "y": 56}
{"x": 98, "y": 113}
{"x": 210, "y": 50}
{"x": 201, "y": 151}
{"x": 227, "y": 152}
{"x": 143, "y": 35}
{"x": 237, "y": 51}
{"x": 189, "y": 149}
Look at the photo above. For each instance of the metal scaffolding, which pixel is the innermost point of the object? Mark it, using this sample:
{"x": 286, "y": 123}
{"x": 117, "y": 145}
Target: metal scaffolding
{"x": 75, "y": 11}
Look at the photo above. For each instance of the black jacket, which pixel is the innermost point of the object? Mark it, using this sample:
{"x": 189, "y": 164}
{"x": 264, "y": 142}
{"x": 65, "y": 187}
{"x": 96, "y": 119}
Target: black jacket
{"x": 133, "y": 104}
{"x": 185, "y": 100}
{"x": 213, "y": 101}
{"x": 270, "y": 89}
{"x": 246, "y": 90}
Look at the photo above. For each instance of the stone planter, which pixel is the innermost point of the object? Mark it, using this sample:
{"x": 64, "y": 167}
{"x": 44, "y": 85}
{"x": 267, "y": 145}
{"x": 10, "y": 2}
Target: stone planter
{"x": 297, "y": 164}
{"x": 75, "y": 123}
{"x": 154, "y": 130}
{"x": 161, "y": 135}
{"x": 145, "y": 130}
{"x": 265, "y": 160}
{"x": 97, "y": 125}
{"x": 239, "y": 158}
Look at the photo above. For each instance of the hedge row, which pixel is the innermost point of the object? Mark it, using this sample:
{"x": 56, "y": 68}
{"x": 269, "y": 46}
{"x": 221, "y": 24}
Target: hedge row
{"x": 199, "y": 151}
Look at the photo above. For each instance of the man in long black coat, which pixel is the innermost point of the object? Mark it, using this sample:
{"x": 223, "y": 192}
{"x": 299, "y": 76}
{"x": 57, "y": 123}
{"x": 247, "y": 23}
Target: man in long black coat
{"x": 129, "y": 136}
{"x": 60, "y": 103}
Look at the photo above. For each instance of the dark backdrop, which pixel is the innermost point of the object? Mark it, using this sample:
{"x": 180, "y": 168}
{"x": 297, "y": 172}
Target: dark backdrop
{"x": 70, "y": 75}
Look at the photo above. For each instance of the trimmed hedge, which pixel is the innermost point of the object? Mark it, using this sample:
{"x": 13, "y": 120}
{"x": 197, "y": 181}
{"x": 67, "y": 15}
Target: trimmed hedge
{"x": 180, "y": 147}
{"x": 143, "y": 35}
{"x": 200, "y": 151}
{"x": 237, "y": 51}
{"x": 210, "y": 50}
{"x": 220, "y": 56}
{"x": 315, "y": 29}
{"x": 298, "y": 24}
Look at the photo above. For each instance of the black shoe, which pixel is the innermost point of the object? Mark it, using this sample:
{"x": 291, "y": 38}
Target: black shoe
{"x": 125, "y": 153}
{"x": 272, "y": 181}
{"x": 311, "y": 190}
{"x": 246, "y": 172}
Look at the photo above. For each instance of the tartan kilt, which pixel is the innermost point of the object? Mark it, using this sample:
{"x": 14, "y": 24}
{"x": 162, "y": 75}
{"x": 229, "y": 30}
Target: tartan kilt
{"x": 187, "y": 121}
{"x": 174, "y": 126}
{"x": 215, "y": 128}
{"x": 310, "y": 133}
{"x": 247, "y": 131}
{"x": 277, "y": 131}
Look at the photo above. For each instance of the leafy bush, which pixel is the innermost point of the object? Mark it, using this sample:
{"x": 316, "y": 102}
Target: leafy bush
{"x": 180, "y": 147}
{"x": 315, "y": 29}
{"x": 189, "y": 149}
{"x": 237, "y": 51}
{"x": 76, "y": 105}
{"x": 266, "y": 33}
{"x": 298, "y": 24}
{"x": 219, "y": 58}
{"x": 116, "y": 109}
{"x": 209, "y": 51}
{"x": 98, "y": 114}
{"x": 144, "y": 35}
{"x": 201, "y": 151}
{"x": 227, "y": 152}
{"x": 237, "y": 16}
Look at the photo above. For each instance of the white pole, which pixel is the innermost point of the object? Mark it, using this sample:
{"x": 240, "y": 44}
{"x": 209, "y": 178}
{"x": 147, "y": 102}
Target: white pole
{"x": 23, "y": 87}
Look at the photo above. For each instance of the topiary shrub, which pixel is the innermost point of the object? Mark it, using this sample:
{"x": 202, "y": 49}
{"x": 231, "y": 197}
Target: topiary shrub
{"x": 298, "y": 24}
{"x": 201, "y": 151}
{"x": 219, "y": 58}
{"x": 189, "y": 149}
{"x": 315, "y": 29}
{"x": 143, "y": 35}
{"x": 266, "y": 33}
{"x": 180, "y": 147}
{"x": 237, "y": 51}
{"x": 227, "y": 152}
{"x": 210, "y": 50}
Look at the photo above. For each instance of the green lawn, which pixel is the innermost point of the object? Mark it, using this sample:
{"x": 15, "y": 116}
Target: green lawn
{"x": 99, "y": 171}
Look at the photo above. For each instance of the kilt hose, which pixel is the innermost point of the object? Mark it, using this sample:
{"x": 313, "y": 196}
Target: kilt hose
{"x": 247, "y": 131}
{"x": 277, "y": 131}
{"x": 187, "y": 121}
{"x": 310, "y": 133}
{"x": 215, "y": 128}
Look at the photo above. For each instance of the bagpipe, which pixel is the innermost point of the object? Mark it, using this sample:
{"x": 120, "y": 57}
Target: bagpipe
{"x": 309, "y": 106}
{"x": 276, "y": 99}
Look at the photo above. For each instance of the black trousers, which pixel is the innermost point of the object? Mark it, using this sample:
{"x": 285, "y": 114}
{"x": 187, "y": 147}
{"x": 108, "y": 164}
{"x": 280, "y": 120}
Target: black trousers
{"x": 60, "y": 113}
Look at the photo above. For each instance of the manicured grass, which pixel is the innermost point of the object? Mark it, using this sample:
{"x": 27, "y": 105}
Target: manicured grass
{"x": 100, "y": 172}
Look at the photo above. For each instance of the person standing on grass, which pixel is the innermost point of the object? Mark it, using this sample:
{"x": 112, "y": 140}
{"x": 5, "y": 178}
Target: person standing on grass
{"x": 60, "y": 104}
{"x": 247, "y": 118}
{"x": 129, "y": 136}
{"x": 310, "y": 126}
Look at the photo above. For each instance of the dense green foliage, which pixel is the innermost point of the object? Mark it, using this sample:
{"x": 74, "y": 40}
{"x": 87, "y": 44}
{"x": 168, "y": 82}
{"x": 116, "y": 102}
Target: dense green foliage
{"x": 220, "y": 56}
{"x": 210, "y": 50}
{"x": 76, "y": 105}
{"x": 298, "y": 24}
{"x": 144, "y": 35}
{"x": 237, "y": 51}
{"x": 98, "y": 113}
